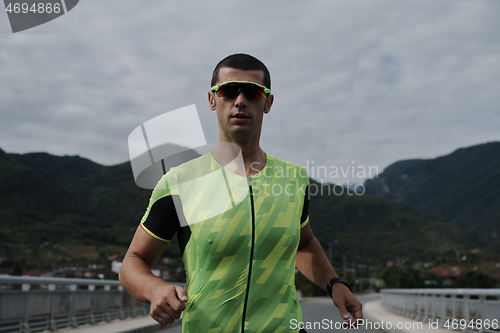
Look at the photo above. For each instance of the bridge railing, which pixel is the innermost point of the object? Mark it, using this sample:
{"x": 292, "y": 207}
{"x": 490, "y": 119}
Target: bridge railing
{"x": 466, "y": 310}
{"x": 35, "y": 304}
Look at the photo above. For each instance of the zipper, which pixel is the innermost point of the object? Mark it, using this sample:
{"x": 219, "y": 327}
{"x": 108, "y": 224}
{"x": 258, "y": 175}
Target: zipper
{"x": 251, "y": 255}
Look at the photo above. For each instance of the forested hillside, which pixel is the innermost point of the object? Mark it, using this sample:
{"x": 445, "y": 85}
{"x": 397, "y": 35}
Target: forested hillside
{"x": 48, "y": 202}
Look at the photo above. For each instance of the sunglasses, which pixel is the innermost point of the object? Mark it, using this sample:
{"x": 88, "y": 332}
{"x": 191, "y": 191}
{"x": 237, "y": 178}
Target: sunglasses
{"x": 232, "y": 89}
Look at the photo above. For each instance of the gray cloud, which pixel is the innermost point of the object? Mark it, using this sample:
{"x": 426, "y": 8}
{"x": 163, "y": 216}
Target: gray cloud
{"x": 369, "y": 82}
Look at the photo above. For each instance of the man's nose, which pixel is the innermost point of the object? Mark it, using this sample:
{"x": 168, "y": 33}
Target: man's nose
{"x": 240, "y": 100}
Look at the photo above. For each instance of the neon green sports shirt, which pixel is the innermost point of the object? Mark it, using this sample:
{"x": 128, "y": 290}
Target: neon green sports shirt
{"x": 238, "y": 238}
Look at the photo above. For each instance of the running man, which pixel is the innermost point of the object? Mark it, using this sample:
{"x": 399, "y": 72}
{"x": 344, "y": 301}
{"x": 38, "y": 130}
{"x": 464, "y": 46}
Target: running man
{"x": 241, "y": 217}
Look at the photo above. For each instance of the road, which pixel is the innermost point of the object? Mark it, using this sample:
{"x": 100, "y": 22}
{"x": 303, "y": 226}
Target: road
{"x": 315, "y": 310}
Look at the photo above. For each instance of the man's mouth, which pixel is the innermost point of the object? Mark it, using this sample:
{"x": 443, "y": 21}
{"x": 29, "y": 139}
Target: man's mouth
{"x": 239, "y": 116}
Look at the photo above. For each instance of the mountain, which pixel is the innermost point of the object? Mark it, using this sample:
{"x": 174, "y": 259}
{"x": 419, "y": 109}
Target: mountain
{"x": 374, "y": 230}
{"x": 103, "y": 193}
{"x": 462, "y": 188}
{"x": 48, "y": 200}
{"x": 28, "y": 197}
{"x": 107, "y": 195}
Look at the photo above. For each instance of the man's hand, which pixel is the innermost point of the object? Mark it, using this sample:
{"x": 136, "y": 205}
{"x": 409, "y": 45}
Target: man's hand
{"x": 167, "y": 303}
{"x": 347, "y": 304}
{"x": 167, "y": 300}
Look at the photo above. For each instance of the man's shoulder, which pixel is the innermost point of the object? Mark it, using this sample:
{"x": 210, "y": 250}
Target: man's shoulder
{"x": 200, "y": 161}
{"x": 181, "y": 171}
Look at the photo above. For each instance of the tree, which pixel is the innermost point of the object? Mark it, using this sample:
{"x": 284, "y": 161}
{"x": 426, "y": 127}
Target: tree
{"x": 473, "y": 279}
{"x": 397, "y": 277}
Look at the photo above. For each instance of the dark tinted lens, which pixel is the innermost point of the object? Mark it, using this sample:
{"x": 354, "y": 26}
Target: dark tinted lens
{"x": 232, "y": 91}
{"x": 228, "y": 91}
{"x": 252, "y": 91}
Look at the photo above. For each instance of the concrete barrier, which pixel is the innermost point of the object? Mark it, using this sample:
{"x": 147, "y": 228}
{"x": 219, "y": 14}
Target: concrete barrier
{"x": 466, "y": 310}
{"x": 29, "y": 304}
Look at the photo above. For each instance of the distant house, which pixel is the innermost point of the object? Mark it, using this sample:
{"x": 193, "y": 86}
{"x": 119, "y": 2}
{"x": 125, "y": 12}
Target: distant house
{"x": 447, "y": 274}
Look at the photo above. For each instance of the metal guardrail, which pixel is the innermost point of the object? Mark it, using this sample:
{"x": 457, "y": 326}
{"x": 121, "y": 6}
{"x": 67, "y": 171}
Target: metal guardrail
{"x": 35, "y": 304}
{"x": 467, "y": 310}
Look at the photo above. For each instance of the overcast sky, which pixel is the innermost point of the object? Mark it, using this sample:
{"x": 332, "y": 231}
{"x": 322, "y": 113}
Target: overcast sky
{"x": 356, "y": 83}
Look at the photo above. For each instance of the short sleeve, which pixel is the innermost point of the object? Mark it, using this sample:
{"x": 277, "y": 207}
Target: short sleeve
{"x": 305, "y": 183}
{"x": 304, "y": 218}
{"x": 161, "y": 220}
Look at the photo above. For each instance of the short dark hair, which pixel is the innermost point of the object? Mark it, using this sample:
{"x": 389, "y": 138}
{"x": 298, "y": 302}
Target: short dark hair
{"x": 244, "y": 62}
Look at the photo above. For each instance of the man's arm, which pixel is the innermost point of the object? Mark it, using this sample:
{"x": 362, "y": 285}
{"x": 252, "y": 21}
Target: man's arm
{"x": 313, "y": 263}
{"x": 167, "y": 300}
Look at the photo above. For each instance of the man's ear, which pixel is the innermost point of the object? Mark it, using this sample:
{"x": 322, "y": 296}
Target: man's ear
{"x": 211, "y": 101}
{"x": 268, "y": 104}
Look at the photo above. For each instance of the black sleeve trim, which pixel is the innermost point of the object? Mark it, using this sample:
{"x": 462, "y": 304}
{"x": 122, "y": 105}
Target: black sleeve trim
{"x": 305, "y": 208}
{"x": 183, "y": 236}
{"x": 162, "y": 219}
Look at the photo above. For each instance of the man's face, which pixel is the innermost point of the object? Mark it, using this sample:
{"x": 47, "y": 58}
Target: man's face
{"x": 240, "y": 119}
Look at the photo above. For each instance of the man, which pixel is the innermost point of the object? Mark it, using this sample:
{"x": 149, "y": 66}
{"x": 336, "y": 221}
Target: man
{"x": 242, "y": 220}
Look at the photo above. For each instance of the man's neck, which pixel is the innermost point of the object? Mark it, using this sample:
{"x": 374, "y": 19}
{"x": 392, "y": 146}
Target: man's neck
{"x": 244, "y": 160}
{"x": 254, "y": 159}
